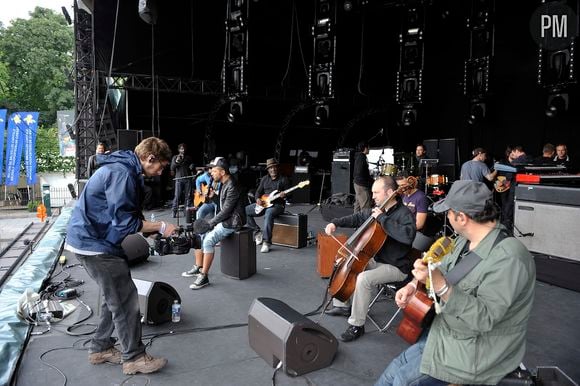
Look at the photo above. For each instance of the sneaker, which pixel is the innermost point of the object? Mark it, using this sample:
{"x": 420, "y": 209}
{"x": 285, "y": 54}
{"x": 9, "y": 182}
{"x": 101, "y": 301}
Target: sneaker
{"x": 194, "y": 271}
{"x": 265, "y": 248}
{"x": 110, "y": 355}
{"x": 352, "y": 333}
{"x": 259, "y": 238}
{"x": 201, "y": 281}
{"x": 143, "y": 364}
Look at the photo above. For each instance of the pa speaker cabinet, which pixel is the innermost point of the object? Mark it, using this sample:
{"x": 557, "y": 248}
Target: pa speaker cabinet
{"x": 155, "y": 300}
{"x": 341, "y": 176}
{"x": 278, "y": 333}
{"x": 290, "y": 230}
{"x": 238, "y": 254}
{"x": 327, "y": 250}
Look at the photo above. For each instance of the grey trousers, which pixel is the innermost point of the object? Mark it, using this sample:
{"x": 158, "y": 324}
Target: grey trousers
{"x": 362, "y": 198}
{"x": 366, "y": 283}
{"x": 120, "y": 305}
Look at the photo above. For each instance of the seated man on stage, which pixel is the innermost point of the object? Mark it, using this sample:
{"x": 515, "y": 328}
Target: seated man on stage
{"x": 390, "y": 264}
{"x": 485, "y": 289}
{"x": 231, "y": 217}
{"x": 416, "y": 201}
{"x": 273, "y": 181}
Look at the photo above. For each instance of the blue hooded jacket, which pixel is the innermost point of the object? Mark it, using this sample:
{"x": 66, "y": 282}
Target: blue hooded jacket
{"x": 109, "y": 208}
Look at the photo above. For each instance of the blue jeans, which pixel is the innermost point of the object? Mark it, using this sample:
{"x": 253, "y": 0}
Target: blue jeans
{"x": 211, "y": 238}
{"x": 404, "y": 369}
{"x": 269, "y": 215}
{"x": 205, "y": 210}
{"x": 182, "y": 186}
{"x": 120, "y": 307}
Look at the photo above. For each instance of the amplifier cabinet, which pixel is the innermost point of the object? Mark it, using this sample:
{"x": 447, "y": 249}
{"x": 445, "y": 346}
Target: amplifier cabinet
{"x": 290, "y": 230}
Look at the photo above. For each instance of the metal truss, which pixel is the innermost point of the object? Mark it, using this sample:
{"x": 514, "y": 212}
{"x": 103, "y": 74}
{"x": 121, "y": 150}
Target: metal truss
{"x": 163, "y": 84}
{"x": 85, "y": 91}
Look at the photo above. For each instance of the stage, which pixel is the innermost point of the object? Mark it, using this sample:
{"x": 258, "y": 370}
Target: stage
{"x": 210, "y": 345}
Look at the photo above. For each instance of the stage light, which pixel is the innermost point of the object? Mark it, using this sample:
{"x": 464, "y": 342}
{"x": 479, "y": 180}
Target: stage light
{"x": 70, "y": 131}
{"x": 477, "y": 112}
{"x": 321, "y": 113}
{"x": 236, "y": 111}
{"x": 66, "y": 15}
{"x": 347, "y": 5}
{"x": 408, "y": 116}
{"x": 557, "y": 103}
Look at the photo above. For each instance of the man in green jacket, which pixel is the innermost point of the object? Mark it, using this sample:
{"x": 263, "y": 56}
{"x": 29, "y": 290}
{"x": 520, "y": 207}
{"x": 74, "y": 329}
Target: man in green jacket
{"x": 479, "y": 336}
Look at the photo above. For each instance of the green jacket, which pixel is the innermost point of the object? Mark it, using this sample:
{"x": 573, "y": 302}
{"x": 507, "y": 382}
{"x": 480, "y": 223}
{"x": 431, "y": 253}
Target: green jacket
{"x": 480, "y": 334}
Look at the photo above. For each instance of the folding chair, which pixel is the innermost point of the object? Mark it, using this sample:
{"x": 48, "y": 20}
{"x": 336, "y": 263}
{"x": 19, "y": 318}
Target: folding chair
{"x": 421, "y": 243}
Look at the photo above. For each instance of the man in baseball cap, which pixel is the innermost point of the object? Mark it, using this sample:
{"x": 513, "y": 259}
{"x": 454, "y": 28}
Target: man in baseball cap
{"x": 485, "y": 287}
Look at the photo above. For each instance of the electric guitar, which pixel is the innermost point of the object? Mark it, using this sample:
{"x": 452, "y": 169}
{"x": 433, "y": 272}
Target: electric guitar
{"x": 267, "y": 199}
{"x": 501, "y": 184}
{"x": 420, "y": 312}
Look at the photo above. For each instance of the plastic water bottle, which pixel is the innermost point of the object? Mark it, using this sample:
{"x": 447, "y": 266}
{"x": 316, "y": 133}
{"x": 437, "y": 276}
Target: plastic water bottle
{"x": 175, "y": 311}
{"x": 152, "y": 218}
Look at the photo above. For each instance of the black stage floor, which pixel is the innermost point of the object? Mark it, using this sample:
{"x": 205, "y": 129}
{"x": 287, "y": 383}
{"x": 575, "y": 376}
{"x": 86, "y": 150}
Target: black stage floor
{"x": 224, "y": 356}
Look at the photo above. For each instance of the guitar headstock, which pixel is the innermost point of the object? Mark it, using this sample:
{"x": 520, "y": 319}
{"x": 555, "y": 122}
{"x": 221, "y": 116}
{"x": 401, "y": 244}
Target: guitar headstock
{"x": 441, "y": 247}
{"x": 303, "y": 183}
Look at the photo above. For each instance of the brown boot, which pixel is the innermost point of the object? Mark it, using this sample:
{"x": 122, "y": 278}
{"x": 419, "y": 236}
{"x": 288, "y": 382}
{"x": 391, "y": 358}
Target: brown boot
{"x": 144, "y": 363}
{"x": 111, "y": 355}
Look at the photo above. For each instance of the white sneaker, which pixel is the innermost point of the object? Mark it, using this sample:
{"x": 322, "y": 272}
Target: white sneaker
{"x": 259, "y": 238}
{"x": 265, "y": 248}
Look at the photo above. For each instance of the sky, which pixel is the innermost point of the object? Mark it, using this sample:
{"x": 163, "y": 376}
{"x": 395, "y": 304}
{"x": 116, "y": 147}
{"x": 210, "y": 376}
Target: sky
{"x": 14, "y": 9}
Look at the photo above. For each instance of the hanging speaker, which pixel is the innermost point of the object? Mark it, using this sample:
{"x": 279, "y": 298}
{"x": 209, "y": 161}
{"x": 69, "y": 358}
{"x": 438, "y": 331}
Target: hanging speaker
{"x": 279, "y": 334}
{"x": 148, "y": 11}
{"x": 155, "y": 300}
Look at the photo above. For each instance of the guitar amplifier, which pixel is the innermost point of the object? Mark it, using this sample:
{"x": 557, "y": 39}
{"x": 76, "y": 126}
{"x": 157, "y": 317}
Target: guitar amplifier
{"x": 290, "y": 230}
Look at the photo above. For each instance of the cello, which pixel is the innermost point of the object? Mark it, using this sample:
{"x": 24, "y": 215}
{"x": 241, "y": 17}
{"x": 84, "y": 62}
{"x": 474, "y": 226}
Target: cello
{"x": 353, "y": 257}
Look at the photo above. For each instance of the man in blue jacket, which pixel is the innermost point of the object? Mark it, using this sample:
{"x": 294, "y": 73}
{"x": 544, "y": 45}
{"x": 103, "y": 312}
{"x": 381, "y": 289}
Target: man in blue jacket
{"x": 108, "y": 210}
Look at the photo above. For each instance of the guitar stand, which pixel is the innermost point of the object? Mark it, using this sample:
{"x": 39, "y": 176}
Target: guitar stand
{"x": 319, "y": 203}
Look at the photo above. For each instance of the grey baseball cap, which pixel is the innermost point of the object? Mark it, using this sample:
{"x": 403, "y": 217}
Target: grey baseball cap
{"x": 464, "y": 196}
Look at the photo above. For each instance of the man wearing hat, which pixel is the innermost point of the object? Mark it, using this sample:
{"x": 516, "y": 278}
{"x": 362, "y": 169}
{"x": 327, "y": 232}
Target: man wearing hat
{"x": 268, "y": 184}
{"x": 485, "y": 289}
{"x": 231, "y": 217}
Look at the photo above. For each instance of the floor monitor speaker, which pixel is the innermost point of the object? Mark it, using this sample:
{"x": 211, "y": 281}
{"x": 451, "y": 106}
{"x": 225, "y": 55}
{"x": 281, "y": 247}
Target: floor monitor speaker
{"x": 155, "y": 300}
{"x": 280, "y": 334}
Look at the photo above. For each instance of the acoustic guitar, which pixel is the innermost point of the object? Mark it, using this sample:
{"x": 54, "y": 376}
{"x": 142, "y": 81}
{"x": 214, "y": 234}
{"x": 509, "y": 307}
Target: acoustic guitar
{"x": 420, "y": 312}
{"x": 200, "y": 198}
{"x": 267, "y": 199}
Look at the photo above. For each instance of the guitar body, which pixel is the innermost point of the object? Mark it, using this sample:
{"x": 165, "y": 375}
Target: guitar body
{"x": 501, "y": 184}
{"x": 200, "y": 198}
{"x": 267, "y": 199}
{"x": 418, "y": 315}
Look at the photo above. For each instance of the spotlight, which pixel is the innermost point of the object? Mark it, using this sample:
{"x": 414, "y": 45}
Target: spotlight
{"x": 66, "y": 15}
{"x": 557, "y": 103}
{"x": 321, "y": 114}
{"x": 476, "y": 113}
{"x": 70, "y": 131}
{"x": 347, "y": 5}
{"x": 236, "y": 111}
{"x": 408, "y": 116}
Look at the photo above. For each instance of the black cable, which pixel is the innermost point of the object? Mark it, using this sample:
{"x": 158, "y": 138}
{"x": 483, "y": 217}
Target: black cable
{"x": 299, "y": 40}
{"x": 53, "y": 366}
{"x": 291, "y": 44}
{"x": 69, "y": 329}
{"x": 274, "y": 374}
{"x": 361, "y": 63}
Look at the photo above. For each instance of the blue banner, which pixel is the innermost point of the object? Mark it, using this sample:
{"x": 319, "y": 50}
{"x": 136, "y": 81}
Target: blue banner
{"x": 30, "y": 125}
{"x": 2, "y": 129}
{"x": 14, "y": 144}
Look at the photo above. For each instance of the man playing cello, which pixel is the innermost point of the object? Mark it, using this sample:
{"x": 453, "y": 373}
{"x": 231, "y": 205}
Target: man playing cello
{"x": 390, "y": 264}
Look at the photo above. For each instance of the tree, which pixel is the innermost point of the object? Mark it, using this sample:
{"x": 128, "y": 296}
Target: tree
{"x": 37, "y": 55}
{"x": 48, "y": 156}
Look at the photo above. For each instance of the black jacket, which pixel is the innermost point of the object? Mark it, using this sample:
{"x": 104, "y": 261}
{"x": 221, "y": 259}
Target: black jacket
{"x": 361, "y": 174}
{"x": 398, "y": 223}
{"x": 182, "y": 166}
{"x": 232, "y": 209}
{"x": 267, "y": 185}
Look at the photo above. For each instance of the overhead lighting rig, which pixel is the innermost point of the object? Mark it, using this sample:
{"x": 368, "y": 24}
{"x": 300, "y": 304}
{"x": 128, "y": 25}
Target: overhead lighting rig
{"x": 476, "y": 71}
{"x": 409, "y": 80}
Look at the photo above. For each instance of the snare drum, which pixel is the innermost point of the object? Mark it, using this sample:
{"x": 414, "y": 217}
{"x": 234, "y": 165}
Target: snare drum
{"x": 436, "y": 180}
{"x": 389, "y": 170}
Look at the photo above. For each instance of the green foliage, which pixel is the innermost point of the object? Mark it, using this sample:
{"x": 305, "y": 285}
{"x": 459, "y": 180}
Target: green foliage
{"x": 36, "y": 60}
{"x": 32, "y": 206}
{"x": 48, "y": 156}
